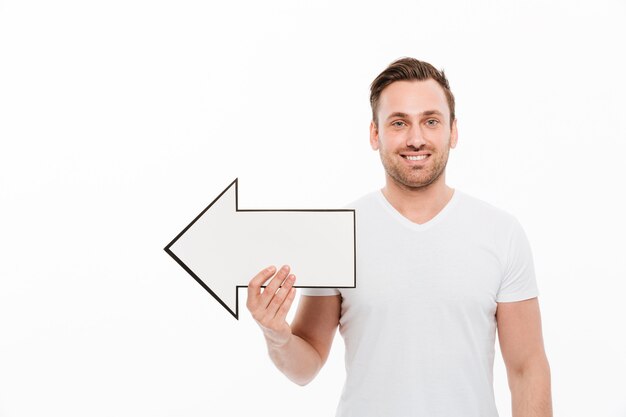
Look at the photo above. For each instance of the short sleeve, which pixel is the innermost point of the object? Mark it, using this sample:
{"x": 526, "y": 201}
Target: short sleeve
{"x": 518, "y": 282}
{"x": 319, "y": 291}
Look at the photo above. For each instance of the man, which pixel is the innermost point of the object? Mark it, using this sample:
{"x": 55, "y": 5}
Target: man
{"x": 438, "y": 271}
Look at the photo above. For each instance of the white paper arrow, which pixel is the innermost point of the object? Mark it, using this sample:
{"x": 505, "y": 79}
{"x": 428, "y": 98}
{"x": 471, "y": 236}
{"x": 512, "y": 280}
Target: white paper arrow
{"x": 224, "y": 247}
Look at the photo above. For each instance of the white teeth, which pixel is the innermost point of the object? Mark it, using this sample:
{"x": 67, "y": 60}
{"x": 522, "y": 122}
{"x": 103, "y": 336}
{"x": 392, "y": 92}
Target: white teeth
{"x": 415, "y": 158}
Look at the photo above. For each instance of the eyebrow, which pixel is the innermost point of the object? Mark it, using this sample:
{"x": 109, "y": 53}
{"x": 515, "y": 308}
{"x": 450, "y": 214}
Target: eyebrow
{"x": 405, "y": 115}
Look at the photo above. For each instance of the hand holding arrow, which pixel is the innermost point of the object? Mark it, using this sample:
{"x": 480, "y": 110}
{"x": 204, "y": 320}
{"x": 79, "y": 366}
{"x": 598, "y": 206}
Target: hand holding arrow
{"x": 269, "y": 308}
{"x": 224, "y": 246}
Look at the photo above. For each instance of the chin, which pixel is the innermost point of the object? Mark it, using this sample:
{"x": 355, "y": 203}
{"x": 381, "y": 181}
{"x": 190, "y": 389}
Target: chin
{"x": 413, "y": 182}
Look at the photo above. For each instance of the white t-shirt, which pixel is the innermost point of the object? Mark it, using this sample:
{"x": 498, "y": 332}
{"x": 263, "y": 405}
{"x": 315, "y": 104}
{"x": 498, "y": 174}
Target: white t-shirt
{"x": 419, "y": 327}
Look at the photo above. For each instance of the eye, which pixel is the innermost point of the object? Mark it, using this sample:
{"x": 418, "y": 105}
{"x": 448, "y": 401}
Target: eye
{"x": 432, "y": 122}
{"x": 398, "y": 123}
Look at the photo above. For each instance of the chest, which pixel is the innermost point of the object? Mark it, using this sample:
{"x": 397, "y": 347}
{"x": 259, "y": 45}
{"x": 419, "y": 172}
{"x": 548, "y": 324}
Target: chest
{"x": 441, "y": 270}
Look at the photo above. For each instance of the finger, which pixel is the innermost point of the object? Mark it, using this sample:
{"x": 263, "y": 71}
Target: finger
{"x": 281, "y": 314}
{"x": 272, "y": 287}
{"x": 254, "y": 286}
{"x": 280, "y": 296}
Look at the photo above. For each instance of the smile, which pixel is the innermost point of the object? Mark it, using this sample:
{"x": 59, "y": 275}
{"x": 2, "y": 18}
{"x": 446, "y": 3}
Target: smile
{"x": 415, "y": 157}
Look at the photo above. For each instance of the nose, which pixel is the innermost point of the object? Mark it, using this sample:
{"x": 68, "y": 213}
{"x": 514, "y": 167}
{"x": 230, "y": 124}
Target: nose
{"x": 415, "y": 137}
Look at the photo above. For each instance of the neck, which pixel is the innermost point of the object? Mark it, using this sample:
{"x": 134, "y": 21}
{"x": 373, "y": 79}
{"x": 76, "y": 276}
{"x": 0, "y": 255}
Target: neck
{"x": 418, "y": 204}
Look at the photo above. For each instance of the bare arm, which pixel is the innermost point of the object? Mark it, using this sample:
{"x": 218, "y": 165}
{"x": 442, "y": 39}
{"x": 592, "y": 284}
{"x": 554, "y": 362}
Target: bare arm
{"x": 528, "y": 371}
{"x": 300, "y": 350}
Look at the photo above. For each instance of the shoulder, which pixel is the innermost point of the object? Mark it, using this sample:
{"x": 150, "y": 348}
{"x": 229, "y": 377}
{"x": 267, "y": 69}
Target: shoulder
{"x": 364, "y": 202}
{"x": 481, "y": 209}
{"x": 485, "y": 216}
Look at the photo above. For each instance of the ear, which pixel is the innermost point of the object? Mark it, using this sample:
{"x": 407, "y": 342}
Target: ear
{"x": 374, "y": 136}
{"x": 454, "y": 135}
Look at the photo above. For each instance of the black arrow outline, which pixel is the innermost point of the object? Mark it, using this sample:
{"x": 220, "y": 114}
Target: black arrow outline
{"x": 206, "y": 287}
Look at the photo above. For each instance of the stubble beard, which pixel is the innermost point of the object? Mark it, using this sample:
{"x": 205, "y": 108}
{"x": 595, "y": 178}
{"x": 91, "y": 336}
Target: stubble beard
{"x": 414, "y": 177}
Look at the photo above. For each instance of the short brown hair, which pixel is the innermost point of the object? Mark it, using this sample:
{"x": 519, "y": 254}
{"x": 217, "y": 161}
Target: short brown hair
{"x": 409, "y": 69}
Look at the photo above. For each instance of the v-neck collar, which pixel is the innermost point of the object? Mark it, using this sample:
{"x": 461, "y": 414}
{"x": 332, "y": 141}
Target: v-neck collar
{"x": 415, "y": 226}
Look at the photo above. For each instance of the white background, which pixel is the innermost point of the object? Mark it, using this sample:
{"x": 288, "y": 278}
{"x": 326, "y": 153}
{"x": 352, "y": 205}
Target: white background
{"x": 121, "y": 120}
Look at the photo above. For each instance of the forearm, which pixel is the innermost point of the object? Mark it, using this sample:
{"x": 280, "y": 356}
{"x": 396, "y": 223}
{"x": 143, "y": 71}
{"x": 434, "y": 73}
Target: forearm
{"x": 297, "y": 359}
{"x": 530, "y": 391}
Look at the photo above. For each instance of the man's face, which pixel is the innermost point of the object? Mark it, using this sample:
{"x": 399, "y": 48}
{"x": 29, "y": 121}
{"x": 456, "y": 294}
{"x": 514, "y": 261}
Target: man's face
{"x": 414, "y": 136}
